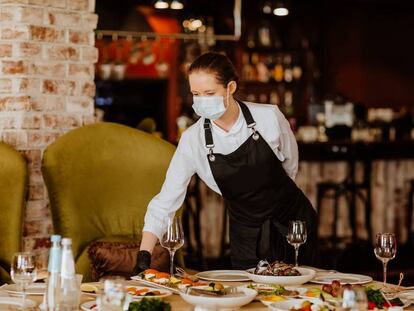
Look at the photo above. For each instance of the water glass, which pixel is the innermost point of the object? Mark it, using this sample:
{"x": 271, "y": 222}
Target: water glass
{"x": 23, "y": 271}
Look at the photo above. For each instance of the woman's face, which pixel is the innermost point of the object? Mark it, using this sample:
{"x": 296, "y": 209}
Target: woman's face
{"x": 205, "y": 84}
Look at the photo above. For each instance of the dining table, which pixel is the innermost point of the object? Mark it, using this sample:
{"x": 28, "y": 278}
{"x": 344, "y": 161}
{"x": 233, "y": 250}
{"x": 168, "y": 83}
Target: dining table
{"x": 178, "y": 304}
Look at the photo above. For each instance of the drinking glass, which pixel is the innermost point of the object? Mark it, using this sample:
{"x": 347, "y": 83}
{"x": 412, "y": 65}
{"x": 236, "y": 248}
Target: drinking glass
{"x": 113, "y": 297}
{"x": 173, "y": 239}
{"x": 385, "y": 249}
{"x": 353, "y": 298}
{"x": 296, "y": 236}
{"x": 23, "y": 271}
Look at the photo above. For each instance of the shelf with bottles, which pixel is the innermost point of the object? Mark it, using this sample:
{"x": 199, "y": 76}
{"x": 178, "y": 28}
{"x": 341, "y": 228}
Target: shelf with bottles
{"x": 271, "y": 68}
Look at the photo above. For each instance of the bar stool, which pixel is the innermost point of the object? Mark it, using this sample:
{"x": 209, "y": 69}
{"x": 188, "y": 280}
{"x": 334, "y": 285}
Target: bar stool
{"x": 350, "y": 189}
{"x": 409, "y": 219}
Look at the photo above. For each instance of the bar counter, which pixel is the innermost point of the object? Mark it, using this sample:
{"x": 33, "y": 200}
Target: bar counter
{"x": 388, "y": 165}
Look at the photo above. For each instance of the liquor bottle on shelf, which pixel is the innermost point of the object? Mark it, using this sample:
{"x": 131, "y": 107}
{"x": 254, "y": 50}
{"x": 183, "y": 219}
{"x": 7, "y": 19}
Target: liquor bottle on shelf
{"x": 251, "y": 42}
{"x": 262, "y": 70}
{"x": 247, "y": 69}
{"x": 278, "y": 69}
{"x": 296, "y": 70}
{"x": 274, "y": 98}
{"x": 289, "y": 109}
{"x": 211, "y": 41}
{"x": 251, "y": 97}
{"x": 264, "y": 35}
{"x": 288, "y": 72}
{"x": 263, "y": 98}
{"x": 255, "y": 62}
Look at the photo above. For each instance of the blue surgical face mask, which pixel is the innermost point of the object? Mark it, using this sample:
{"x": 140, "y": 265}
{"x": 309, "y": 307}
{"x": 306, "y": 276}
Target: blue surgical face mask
{"x": 209, "y": 107}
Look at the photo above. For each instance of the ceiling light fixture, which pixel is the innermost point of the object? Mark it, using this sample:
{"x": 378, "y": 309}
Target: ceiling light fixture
{"x": 281, "y": 11}
{"x": 176, "y": 5}
{"x": 267, "y": 7}
{"x": 161, "y": 4}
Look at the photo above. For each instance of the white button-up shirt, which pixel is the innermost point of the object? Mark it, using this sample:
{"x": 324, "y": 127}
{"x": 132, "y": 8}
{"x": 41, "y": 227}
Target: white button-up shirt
{"x": 190, "y": 157}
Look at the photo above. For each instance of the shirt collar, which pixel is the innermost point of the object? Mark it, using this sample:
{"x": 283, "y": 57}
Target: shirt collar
{"x": 234, "y": 129}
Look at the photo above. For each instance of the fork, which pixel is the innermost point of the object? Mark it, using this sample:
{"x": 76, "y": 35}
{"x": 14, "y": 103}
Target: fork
{"x": 184, "y": 274}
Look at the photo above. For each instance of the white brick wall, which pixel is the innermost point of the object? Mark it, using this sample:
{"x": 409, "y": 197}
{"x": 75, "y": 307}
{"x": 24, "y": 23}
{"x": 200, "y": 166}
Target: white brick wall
{"x": 47, "y": 58}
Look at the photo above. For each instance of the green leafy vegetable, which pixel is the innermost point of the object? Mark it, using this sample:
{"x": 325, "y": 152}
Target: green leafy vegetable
{"x": 375, "y": 296}
{"x": 149, "y": 305}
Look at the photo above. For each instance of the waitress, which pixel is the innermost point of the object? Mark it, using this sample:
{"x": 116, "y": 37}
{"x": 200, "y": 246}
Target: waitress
{"x": 245, "y": 152}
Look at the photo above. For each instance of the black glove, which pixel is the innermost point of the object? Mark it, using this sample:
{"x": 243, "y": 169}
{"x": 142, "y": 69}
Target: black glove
{"x": 143, "y": 261}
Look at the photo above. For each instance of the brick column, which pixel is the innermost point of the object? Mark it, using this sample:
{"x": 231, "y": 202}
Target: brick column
{"x": 47, "y": 58}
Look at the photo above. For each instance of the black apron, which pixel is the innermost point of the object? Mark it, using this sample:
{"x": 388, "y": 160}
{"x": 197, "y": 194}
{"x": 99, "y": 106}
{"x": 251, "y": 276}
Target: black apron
{"x": 262, "y": 199}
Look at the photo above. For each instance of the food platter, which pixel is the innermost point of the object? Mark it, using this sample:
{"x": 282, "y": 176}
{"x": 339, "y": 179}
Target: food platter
{"x": 305, "y": 276}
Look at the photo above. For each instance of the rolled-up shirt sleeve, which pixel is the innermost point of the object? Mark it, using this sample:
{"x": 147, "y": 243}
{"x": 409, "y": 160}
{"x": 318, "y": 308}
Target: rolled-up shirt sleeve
{"x": 288, "y": 146}
{"x": 173, "y": 191}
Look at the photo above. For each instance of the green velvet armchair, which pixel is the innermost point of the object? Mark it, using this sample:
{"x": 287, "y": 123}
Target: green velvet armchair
{"x": 13, "y": 186}
{"x": 100, "y": 179}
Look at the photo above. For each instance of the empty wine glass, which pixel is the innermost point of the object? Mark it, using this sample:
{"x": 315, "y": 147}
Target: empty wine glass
{"x": 385, "y": 250}
{"x": 23, "y": 271}
{"x": 296, "y": 236}
{"x": 173, "y": 239}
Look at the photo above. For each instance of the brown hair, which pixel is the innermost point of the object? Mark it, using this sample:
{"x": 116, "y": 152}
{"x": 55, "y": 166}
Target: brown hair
{"x": 217, "y": 64}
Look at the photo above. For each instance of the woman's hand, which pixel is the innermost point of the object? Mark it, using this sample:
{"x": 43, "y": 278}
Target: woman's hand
{"x": 144, "y": 255}
{"x": 143, "y": 261}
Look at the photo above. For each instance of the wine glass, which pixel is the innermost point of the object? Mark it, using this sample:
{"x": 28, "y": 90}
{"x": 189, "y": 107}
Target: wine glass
{"x": 296, "y": 236}
{"x": 385, "y": 250}
{"x": 173, "y": 239}
{"x": 23, "y": 271}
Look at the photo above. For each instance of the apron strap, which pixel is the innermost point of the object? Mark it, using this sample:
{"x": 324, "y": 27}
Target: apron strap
{"x": 207, "y": 134}
{"x": 249, "y": 120}
{"x": 247, "y": 115}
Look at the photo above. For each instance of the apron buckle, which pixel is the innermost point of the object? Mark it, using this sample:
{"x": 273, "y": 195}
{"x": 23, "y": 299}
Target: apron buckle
{"x": 255, "y": 135}
{"x": 211, "y": 156}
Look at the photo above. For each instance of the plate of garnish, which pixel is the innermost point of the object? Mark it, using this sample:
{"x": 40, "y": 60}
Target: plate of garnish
{"x": 280, "y": 273}
{"x": 268, "y": 293}
{"x": 138, "y": 292}
{"x": 163, "y": 280}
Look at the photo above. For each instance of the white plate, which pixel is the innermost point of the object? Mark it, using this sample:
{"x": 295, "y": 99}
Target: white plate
{"x": 301, "y": 290}
{"x": 407, "y": 294}
{"x": 155, "y": 285}
{"x": 343, "y": 278}
{"x": 286, "y": 305}
{"x": 306, "y": 276}
{"x": 98, "y": 285}
{"x": 220, "y": 301}
{"x": 223, "y": 275}
{"x": 35, "y": 289}
{"x": 87, "y": 306}
{"x": 163, "y": 293}
{"x": 16, "y": 302}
